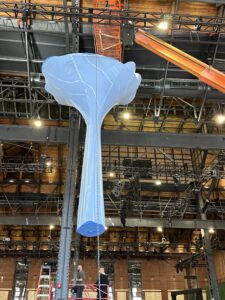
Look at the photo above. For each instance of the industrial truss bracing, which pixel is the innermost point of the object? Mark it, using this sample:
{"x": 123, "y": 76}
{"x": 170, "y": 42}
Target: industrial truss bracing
{"x": 106, "y": 16}
{"x": 20, "y": 164}
{"x": 52, "y": 204}
{"x": 15, "y": 99}
{"x": 51, "y": 248}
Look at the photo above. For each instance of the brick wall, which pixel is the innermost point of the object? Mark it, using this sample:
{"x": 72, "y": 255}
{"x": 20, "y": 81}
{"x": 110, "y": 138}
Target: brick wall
{"x": 7, "y": 269}
{"x": 220, "y": 265}
{"x": 158, "y": 276}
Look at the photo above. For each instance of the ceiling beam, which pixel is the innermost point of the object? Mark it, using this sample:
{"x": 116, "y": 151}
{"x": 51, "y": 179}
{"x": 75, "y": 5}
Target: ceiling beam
{"x": 165, "y": 223}
{"x": 50, "y": 134}
{"x": 39, "y": 220}
{"x": 159, "y": 139}
{"x": 29, "y": 220}
{"x": 59, "y": 135}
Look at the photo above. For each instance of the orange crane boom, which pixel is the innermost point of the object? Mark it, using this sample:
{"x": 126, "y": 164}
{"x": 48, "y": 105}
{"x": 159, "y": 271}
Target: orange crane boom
{"x": 204, "y": 72}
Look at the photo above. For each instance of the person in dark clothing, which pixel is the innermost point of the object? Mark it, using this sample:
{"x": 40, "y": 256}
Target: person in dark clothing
{"x": 26, "y": 21}
{"x": 102, "y": 286}
{"x": 79, "y": 287}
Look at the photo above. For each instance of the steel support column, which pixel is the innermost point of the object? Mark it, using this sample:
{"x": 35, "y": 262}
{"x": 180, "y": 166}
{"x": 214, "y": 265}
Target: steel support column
{"x": 75, "y": 28}
{"x": 28, "y": 71}
{"x": 66, "y": 26}
{"x": 67, "y": 213}
{"x": 209, "y": 255}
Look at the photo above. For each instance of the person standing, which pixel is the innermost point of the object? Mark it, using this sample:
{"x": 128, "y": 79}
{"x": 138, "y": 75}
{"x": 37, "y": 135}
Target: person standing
{"x": 102, "y": 286}
{"x": 79, "y": 282}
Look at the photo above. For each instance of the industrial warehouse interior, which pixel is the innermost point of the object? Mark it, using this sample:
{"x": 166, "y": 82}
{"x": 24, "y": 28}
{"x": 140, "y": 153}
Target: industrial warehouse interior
{"x": 162, "y": 155}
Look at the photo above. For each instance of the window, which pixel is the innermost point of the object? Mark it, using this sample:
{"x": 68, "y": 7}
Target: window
{"x": 134, "y": 280}
{"x": 20, "y": 280}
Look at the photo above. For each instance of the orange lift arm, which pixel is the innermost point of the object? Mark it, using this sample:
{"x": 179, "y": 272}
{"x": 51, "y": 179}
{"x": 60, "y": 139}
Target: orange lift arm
{"x": 204, "y": 72}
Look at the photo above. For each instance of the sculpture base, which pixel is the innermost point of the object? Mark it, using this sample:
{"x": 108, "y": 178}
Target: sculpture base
{"x": 91, "y": 229}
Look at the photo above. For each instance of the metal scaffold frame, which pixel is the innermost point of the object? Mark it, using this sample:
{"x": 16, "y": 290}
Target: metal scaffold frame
{"x": 139, "y": 19}
{"x": 68, "y": 210}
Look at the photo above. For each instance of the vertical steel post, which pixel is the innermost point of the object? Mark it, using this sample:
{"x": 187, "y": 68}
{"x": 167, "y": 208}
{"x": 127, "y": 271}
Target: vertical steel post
{"x": 68, "y": 210}
{"x": 75, "y": 28}
{"x": 28, "y": 70}
{"x": 209, "y": 255}
{"x": 66, "y": 26}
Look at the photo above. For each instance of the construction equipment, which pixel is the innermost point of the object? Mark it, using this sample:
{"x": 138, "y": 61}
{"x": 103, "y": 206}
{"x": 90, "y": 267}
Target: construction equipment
{"x": 204, "y": 72}
{"x": 44, "y": 290}
{"x": 108, "y": 43}
{"x": 108, "y": 38}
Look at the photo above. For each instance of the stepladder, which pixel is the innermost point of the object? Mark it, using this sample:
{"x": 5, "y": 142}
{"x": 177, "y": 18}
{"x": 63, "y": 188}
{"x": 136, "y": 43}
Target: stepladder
{"x": 44, "y": 289}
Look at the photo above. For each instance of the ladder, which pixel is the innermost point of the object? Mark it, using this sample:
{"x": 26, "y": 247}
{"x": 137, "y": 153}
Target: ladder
{"x": 44, "y": 284}
{"x": 108, "y": 37}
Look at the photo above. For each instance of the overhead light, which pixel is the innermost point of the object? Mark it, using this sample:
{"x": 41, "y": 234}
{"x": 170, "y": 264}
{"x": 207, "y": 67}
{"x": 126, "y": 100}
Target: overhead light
{"x": 27, "y": 180}
{"x": 51, "y": 227}
{"x": 158, "y": 182}
{"x": 220, "y": 119}
{"x": 11, "y": 180}
{"x": 126, "y": 115}
{"x": 48, "y": 163}
{"x": 111, "y": 174}
{"x": 211, "y": 230}
{"x": 159, "y": 229}
{"x": 106, "y": 227}
{"x": 163, "y": 25}
{"x": 37, "y": 123}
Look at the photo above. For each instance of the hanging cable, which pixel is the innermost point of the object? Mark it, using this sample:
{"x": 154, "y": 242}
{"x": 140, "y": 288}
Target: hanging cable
{"x": 97, "y": 174}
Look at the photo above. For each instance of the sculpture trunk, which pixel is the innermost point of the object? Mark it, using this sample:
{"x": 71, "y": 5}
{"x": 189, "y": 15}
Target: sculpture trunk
{"x": 91, "y": 216}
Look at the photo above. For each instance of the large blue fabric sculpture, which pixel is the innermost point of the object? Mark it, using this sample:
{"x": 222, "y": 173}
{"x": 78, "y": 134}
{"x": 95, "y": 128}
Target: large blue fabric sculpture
{"x": 93, "y": 84}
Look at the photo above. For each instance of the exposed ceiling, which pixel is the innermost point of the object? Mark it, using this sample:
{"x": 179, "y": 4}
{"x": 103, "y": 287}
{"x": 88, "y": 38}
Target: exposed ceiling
{"x": 169, "y": 101}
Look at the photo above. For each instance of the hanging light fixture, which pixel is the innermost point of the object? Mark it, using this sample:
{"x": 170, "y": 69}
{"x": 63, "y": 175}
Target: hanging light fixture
{"x": 37, "y": 123}
{"x": 163, "y": 25}
{"x": 126, "y": 115}
{"x": 220, "y": 119}
{"x": 164, "y": 22}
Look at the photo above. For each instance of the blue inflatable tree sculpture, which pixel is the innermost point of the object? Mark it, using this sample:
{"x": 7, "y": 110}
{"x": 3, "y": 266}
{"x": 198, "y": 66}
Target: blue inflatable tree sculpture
{"x": 93, "y": 84}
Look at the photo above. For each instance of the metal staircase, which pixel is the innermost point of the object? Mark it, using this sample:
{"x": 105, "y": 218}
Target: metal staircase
{"x": 108, "y": 37}
{"x": 44, "y": 284}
